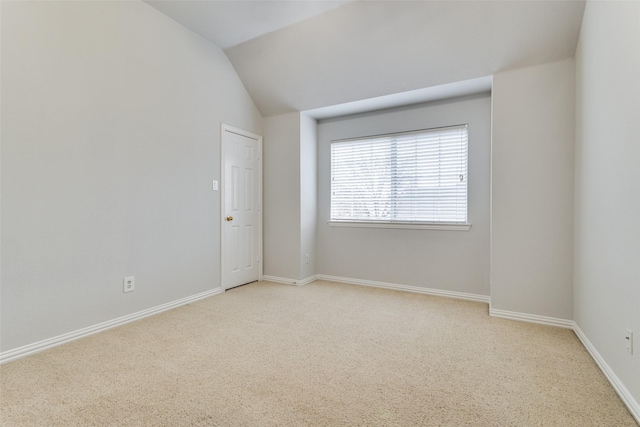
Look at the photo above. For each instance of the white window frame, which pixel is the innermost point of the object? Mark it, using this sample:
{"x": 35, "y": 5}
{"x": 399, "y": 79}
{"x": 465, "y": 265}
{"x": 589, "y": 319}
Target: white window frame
{"x": 399, "y": 224}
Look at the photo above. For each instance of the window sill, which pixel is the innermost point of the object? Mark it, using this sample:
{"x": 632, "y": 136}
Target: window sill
{"x": 445, "y": 226}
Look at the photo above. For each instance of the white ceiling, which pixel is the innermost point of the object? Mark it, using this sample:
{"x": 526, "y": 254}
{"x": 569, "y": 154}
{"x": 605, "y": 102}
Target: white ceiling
{"x": 228, "y": 23}
{"x": 374, "y": 49}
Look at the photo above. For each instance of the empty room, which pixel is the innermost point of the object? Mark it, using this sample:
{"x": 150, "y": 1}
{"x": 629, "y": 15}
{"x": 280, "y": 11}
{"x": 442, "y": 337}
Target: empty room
{"x": 320, "y": 213}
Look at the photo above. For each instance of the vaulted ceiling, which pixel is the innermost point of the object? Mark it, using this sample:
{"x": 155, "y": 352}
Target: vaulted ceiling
{"x": 228, "y": 23}
{"x": 298, "y": 56}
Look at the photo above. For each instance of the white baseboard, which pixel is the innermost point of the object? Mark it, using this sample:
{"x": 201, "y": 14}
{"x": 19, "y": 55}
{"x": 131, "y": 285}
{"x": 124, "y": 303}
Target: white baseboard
{"x": 28, "y": 349}
{"x": 407, "y": 288}
{"x": 618, "y": 386}
{"x": 299, "y": 282}
{"x": 623, "y": 392}
{"x": 531, "y": 318}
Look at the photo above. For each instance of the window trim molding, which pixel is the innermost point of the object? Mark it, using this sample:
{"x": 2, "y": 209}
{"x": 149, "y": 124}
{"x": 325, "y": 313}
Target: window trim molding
{"x": 442, "y": 226}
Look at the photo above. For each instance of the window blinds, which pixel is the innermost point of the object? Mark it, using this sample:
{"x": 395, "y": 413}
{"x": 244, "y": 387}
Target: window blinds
{"x": 407, "y": 177}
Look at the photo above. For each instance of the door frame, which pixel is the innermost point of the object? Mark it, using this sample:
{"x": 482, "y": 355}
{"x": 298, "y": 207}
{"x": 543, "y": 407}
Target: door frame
{"x": 227, "y": 128}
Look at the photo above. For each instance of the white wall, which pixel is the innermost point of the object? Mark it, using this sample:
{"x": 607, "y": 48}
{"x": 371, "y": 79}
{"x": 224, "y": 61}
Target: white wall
{"x": 111, "y": 118}
{"x": 532, "y": 190}
{"x": 447, "y": 260}
{"x": 281, "y": 181}
{"x": 290, "y": 196}
{"x": 308, "y": 195}
{"x": 607, "y": 185}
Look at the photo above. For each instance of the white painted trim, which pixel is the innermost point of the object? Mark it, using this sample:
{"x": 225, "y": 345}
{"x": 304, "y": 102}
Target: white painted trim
{"x": 227, "y": 128}
{"x": 531, "y": 318}
{"x": 618, "y": 386}
{"x": 288, "y": 281}
{"x": 407, "y": 288}
{"x": 307, "y": 280}
{"x": 48, "y": 343}
{"x": 405, "y": 225}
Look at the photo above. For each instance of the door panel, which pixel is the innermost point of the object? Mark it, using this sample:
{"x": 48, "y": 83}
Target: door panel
{"x": 241, "y": 210}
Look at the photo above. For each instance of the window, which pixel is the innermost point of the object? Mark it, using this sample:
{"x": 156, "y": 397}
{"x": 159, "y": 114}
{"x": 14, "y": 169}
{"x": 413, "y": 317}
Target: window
{"x": 411, "y": 178}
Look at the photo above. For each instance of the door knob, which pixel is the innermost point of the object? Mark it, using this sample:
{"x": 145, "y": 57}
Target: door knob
{"x": 229, "y": 218}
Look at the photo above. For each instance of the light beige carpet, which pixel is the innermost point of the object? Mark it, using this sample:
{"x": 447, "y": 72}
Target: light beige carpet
{"x": 321, "y": 355}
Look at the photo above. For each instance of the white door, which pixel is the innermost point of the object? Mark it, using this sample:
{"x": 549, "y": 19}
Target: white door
{"x": 241, "y": 211}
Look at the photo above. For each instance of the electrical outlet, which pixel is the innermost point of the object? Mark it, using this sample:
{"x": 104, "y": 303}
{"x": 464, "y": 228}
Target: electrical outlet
{"x": 629, "y": 337}
{"x": 129, "y": 284}
{"x": 306, "y": 259}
